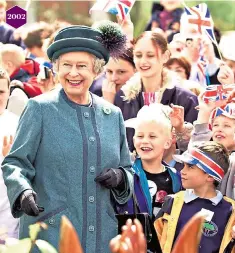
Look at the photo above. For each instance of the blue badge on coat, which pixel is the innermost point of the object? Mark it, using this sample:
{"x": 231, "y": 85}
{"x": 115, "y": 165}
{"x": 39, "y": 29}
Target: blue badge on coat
{"x": 209, "y": 229}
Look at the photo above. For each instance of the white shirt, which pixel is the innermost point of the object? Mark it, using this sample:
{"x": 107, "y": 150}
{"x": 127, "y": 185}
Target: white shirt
{"x": 8, "y": 125}
{"x": 17, "y": 101}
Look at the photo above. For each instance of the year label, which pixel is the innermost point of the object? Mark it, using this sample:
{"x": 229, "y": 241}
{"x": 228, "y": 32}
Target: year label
{"x": 16, "y": 16}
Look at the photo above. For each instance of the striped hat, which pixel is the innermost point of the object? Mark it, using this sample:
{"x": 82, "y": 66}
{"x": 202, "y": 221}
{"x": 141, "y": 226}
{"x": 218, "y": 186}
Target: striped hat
{"x": 194, "y": 156}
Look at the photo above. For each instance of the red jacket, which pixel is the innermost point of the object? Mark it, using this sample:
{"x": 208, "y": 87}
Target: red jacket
{"x": 27, "y": 74}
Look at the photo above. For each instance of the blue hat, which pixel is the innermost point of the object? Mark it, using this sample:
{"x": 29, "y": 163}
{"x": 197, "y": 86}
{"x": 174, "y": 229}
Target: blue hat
{"x": 104, "y": 40}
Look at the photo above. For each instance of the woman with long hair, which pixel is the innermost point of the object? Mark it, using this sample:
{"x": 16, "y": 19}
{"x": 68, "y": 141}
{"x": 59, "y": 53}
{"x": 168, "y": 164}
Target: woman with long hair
{"x": 153, "y": 83}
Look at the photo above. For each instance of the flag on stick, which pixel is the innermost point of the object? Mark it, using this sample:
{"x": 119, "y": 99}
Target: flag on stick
{"x": 116, "y": 7}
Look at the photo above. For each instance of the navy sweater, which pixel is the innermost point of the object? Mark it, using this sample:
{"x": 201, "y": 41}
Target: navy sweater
{"x": 213, "y": 231}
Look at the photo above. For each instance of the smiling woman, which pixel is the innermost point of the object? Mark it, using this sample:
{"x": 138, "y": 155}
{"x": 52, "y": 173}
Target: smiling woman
{"x": 71, "y": 148}
{"x": 153, "y": 83}
{"x": 77, "y": 76}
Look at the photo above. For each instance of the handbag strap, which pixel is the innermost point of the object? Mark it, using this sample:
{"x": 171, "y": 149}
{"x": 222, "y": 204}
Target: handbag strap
{"x": 136, "y": 207}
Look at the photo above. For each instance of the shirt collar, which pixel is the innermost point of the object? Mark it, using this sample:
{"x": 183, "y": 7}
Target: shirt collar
{"x": 190, "y": 196}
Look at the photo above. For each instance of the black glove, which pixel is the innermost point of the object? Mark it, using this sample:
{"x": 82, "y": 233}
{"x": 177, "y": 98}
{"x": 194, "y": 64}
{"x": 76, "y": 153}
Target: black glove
{"x": 110, "y": 178}
{"x": 28, "y": 203}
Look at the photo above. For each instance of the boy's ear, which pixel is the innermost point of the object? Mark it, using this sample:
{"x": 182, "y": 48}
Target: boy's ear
{"x": 210, "y": 179}
{"x": 168, "y": 143}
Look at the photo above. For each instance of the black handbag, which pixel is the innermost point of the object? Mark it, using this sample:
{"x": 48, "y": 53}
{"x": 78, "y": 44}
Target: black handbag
{"x": 144, "y": 219}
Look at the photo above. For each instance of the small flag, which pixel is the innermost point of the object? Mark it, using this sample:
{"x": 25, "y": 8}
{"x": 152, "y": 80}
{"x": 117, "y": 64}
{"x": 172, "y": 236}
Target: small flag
{"x": 202, "y": 64}
{"x": 116, "y": 7}
{"x": 199, "y": 16}
{"x": 227, "y": 110}
{"x": 217, "y": 92}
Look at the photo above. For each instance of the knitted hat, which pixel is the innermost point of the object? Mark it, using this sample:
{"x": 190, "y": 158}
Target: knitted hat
{"x": 104, "y": 40}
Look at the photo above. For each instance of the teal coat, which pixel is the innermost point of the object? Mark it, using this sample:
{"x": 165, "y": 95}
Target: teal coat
{"x": 59, "y": 148}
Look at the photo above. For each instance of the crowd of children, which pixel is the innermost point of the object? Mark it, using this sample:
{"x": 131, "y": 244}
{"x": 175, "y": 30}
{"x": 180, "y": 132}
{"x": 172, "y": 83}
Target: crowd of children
{"x": 78, "y": 120}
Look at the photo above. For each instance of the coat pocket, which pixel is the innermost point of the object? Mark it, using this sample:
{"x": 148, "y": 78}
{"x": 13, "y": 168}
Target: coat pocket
{"x": 53, "y": 218}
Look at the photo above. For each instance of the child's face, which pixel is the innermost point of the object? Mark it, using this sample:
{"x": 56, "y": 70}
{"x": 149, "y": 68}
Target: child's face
{"x": 180, "y": 71}
{"x": 192, "y": 177}
{"x": 151, "y": 140}
{"x": 223, "y": 129}
{"x": 4, "y": 94}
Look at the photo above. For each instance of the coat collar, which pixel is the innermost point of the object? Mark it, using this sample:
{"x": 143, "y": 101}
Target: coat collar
{"x": 190, "y": 196}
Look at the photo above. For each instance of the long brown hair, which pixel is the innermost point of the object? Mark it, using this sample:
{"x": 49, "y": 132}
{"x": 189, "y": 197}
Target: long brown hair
{"x": 158, "y": 40}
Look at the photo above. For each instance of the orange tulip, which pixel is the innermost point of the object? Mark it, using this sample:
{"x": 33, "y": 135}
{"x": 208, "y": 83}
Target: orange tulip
{"x": 190, "y": 236}
{"x": 69, "y": 241}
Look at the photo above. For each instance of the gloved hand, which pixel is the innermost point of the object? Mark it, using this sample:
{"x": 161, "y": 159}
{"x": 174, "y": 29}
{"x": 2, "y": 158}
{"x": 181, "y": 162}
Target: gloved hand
{"x": 110, "y": 178}
{"x": 28, "y": 203}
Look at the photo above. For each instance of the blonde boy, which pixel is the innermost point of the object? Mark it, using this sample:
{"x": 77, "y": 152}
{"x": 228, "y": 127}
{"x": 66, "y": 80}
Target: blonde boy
{"x": 153, "y": 136}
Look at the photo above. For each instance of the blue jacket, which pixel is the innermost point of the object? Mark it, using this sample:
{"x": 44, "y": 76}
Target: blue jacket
{"x": 142, "y": 190}
{"x": 59, "y": 149}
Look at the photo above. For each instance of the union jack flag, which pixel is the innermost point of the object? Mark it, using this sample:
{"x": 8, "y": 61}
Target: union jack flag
{"x": 199, "y": 16}
{"x": 202, "y": 64}
{"x": 116, "y": 7}
{"x": 227, "y": 110}
{"x": 216, "y": 93}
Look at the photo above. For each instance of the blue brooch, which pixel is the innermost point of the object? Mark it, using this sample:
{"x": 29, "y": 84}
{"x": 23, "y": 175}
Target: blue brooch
{"x": 107, "y": 110}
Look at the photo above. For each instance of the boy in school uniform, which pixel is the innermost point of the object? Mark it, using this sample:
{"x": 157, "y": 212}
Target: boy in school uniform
{"x": 205, "y": 164}
{"x": 218, "y": 124}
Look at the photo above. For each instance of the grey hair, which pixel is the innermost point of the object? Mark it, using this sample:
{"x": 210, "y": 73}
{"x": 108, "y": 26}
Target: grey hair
{"x": 98, "y": 64}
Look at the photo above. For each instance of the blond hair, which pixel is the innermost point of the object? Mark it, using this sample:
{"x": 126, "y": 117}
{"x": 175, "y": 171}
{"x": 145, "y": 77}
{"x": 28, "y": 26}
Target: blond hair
{"x": 13, "y": 53}
{"x": 157, "y": 113}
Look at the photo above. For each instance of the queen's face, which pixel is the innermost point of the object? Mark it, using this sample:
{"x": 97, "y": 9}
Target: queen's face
{"x": 76, "y": 73}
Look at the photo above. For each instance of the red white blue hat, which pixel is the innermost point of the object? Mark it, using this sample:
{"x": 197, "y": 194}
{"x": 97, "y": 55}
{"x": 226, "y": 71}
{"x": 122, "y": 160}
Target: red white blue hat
{"x": 197, "y": 157}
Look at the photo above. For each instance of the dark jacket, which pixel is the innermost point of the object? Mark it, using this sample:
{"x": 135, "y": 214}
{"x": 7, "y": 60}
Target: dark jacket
{"x": 173, "y": 24}
{"x": 6, "y": 35}
{"x": 141, "y": 189}
{"x": 175, "y": 95}
{"x": 144, "y": 200}
{"x": 96, "y": 87}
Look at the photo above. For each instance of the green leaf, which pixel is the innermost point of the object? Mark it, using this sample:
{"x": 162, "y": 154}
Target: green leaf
{"x": 45, "y": 247}
{"x": 22, "y": 247}
{"x": 34, "y": 230}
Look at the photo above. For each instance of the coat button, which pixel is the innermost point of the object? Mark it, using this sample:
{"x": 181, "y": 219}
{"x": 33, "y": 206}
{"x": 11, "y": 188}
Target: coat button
{"x": 91, "y": 199}
{"x": 52, "y": 221}
{"x": 86, "y": 114}
{"x": 91, "y": 228}
{"x": 92, "y": 169}
{"x": 91, "y": 138}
